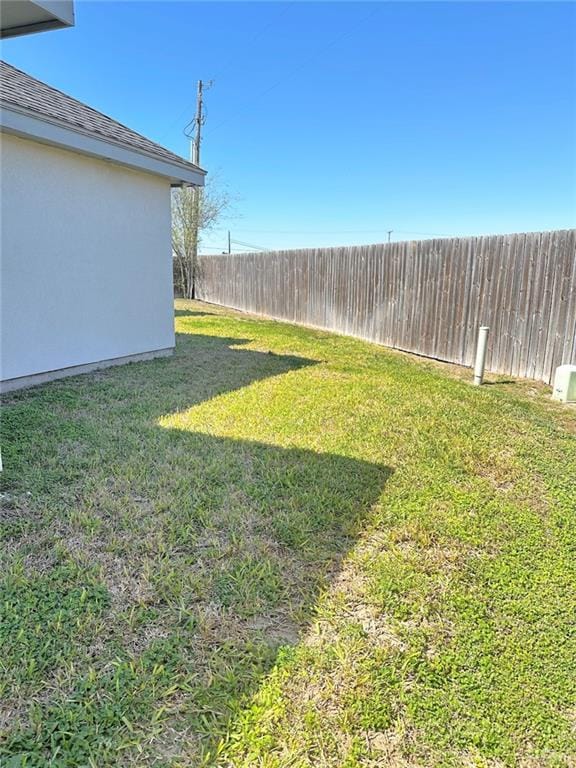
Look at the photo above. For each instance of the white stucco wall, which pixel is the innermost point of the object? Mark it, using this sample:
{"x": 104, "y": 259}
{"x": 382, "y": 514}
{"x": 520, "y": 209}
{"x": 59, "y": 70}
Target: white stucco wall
{"x": 86, "y": 270}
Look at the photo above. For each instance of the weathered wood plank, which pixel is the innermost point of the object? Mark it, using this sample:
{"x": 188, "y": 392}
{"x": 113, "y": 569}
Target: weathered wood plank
{"x": 427, "y": 297}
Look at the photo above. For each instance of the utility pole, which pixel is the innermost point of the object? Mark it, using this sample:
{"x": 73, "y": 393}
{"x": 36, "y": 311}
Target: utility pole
{"x": 389, "y": 233}
{"x": 229, "y": 248}
{"x": 197, "y": 192}
{"x": 198, "y": 123}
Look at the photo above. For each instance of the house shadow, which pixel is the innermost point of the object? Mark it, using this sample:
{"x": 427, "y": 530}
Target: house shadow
{"x": 203, "y": 367}
{"x": 240, "y": 537}
{"x": 271, "y": 529}
{"x": 272, "y": 525}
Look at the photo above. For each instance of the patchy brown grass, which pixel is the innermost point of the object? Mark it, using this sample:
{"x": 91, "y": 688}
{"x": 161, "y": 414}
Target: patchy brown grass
{"x": 286, "y": 548}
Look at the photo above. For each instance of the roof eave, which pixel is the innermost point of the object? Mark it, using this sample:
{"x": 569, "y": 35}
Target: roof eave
{"x": 36, "y": 16}
{"x": 22, "y": 123}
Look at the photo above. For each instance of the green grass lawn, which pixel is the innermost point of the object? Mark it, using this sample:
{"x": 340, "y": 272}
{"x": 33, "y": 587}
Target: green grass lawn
{"x": 283, "y": 547}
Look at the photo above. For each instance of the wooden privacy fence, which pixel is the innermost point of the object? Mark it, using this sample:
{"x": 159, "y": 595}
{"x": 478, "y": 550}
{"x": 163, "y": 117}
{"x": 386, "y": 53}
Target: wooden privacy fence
{"x": 427, "y": 297}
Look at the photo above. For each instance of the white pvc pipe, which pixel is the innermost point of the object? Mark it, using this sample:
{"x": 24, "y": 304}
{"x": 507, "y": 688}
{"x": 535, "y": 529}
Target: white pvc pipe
{"x": 480, "y": 354}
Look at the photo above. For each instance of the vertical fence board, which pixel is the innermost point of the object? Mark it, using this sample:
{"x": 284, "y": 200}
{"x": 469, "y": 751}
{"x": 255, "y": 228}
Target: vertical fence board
{"x": 427, "y": 297}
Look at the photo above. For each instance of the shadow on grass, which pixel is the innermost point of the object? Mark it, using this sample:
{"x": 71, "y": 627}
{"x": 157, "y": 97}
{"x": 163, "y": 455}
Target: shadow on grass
{"x": 499, "y": 381}
{"x": 212, "y": 551}
{"x": 193, "y": 313}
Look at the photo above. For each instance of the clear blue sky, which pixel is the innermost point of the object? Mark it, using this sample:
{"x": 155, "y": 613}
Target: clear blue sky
{"x": 335, "y": 122}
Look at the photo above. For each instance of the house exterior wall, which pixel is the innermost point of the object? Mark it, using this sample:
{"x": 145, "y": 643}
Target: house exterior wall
{"x": 86, "y": 267}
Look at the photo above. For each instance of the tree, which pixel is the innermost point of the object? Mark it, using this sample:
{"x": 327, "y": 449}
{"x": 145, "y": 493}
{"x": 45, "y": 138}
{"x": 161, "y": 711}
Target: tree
{"x": 194, "y": 211}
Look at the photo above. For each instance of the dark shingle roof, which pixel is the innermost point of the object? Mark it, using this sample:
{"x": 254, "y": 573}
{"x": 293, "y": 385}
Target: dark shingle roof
{"x": 19, "y": 90}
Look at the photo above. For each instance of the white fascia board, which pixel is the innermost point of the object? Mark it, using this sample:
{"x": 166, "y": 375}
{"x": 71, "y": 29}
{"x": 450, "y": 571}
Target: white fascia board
{"x": 29, "y": 126}
{"x": 22, "y": 17}
{"x": 62, "y": 10}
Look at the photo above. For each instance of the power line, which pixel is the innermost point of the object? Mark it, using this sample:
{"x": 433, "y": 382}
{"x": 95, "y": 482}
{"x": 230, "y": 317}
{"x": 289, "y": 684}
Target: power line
{"x": 250, "y": 245}
{"x": 426, "y": 234}
{"x": 380, "y": 230}
{"x": 237, "y": 243}
{"x": 227, "y": 66}
{"x": 304, "y": 64}
{"x": 248, "y": 45}
{"x": 240, "y": 244}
